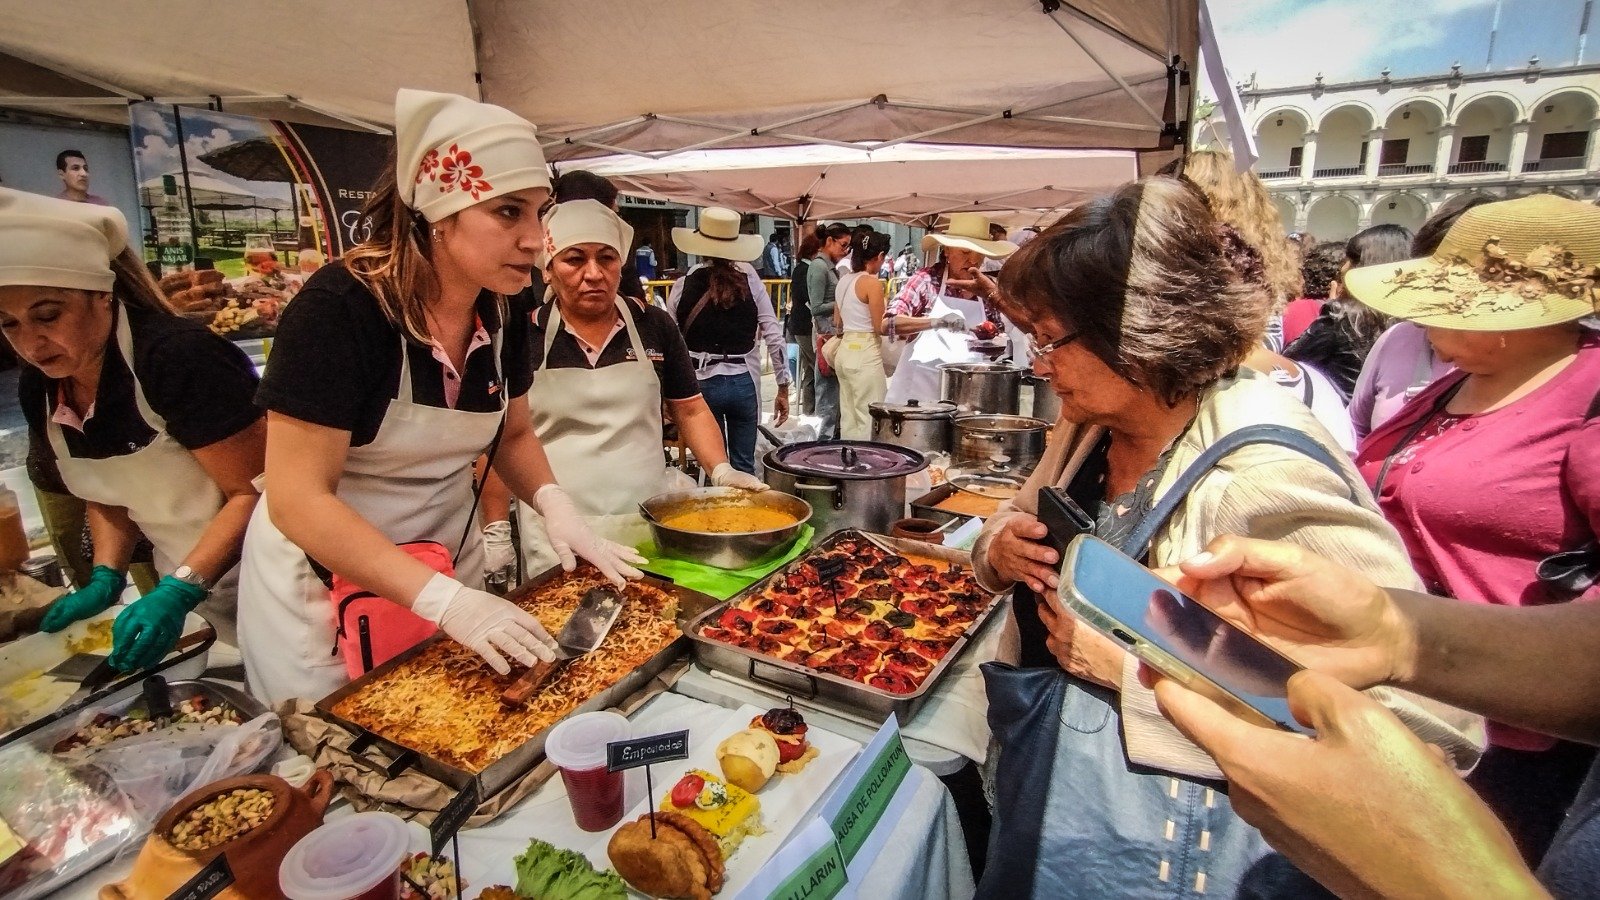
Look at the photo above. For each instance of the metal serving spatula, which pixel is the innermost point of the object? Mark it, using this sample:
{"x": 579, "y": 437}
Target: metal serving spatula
{"x": 584, "y": 632}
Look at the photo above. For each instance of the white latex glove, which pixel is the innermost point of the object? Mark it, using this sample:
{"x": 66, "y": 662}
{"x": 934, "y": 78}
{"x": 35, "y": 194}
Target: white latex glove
{"x": 571, "y": 538}
{"x": 498, "y": 553}
{"x": 952, "y": 322}
{"x": 483, "y": 623}
{"x": 725, "y": 475}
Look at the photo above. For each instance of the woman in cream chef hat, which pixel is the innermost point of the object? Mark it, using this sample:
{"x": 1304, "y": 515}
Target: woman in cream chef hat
{"x": 392, "y": 371}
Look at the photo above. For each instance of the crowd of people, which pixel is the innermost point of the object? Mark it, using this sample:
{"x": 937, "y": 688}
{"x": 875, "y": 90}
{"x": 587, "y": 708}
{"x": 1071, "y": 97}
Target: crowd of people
{"x": 1381, "y": 456}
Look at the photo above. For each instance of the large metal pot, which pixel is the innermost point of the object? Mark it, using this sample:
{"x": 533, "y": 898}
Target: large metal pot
{"x": 982, "y": 388}
{"x": 1045, "y": 403}
{"x": 849, "y": 484}
{"x": 724, "y": 550}
{"x": 1019, "y": 438}
{"x": 924, "y": 427}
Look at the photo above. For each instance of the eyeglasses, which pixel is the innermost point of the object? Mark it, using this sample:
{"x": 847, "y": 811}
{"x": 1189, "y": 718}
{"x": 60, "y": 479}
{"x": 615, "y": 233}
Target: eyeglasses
{"x": 1038, "y": 351}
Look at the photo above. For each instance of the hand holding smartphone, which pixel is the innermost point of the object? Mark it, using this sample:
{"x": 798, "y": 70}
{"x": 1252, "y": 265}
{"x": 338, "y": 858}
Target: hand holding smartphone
{"x": 1174, "y": 634}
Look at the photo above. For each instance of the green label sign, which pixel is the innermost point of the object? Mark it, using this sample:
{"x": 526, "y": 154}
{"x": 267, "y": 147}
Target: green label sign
{"x": 864, "y": 806}
{"x": 821, "y": 877}
{"x": 175, "y": 254}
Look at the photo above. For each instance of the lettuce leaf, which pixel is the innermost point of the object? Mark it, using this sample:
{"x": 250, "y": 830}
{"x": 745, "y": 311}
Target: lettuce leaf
{"x": 546, "y": 872}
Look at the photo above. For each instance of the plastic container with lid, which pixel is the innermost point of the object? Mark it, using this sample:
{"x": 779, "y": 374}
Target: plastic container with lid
{"x": 577, "y": 746}
{"x": 357, "y": 856}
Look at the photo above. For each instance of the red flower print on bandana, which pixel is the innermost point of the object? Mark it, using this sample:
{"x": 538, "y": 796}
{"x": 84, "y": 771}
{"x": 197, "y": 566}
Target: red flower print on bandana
{"x": 429, "y": 164}
{"x": 454, "y": 171}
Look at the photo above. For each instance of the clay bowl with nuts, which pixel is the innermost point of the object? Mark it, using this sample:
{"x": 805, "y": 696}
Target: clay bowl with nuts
{"x": 253, "y": 819}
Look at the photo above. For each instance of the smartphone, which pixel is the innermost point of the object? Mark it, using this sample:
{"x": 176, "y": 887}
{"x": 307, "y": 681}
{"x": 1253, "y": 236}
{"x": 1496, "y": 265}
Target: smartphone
{"x": 1175, "y": 634}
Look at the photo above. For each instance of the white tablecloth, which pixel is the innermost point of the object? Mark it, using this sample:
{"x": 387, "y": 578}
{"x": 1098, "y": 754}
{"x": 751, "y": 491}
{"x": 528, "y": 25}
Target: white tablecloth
{"x": 926, "y": 855}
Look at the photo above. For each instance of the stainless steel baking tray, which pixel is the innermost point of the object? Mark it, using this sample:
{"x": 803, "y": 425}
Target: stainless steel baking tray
{"x": 927, "y": 506}
{"x": 822, "y": 688}
{"x": 506, "y": 770}
{"x": 247, "y": 706}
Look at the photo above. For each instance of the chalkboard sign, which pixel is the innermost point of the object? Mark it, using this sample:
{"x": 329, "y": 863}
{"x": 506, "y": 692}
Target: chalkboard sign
{"x": 644, "y": 751}
{"x": 454, "y": 815}
{"x": 215, "y": 878}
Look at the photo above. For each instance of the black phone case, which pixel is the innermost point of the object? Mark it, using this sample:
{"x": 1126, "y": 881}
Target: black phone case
{"x": 1063, "y": 517}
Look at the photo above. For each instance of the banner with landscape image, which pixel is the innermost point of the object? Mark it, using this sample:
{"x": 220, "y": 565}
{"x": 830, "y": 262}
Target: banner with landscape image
{"x": 237, "y": 211}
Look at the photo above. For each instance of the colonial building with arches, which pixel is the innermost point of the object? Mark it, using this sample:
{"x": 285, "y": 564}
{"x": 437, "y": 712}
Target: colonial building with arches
{"x": 1341, "y": 157}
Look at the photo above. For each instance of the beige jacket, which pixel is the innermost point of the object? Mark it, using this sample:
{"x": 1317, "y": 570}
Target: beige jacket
{"x": 1260, "y": 491}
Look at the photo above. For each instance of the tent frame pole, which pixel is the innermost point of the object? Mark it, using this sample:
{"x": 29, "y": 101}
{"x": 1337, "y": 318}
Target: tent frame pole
{"x": 1121, "y": 82}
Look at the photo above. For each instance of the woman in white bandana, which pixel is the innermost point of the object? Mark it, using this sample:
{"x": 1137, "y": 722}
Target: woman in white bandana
{"x": 392, "y": 372}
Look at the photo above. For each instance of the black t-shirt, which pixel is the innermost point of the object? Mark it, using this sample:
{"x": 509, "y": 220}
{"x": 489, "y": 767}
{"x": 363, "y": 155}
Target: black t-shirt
{"x": 336, "y": 359}
{"x": 659, "y": 334}
{"x": 201, "y": 384}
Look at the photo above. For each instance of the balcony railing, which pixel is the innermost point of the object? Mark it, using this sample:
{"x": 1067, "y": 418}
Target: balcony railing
{"x": 1476, "y": 168}
{"x": 1291, "y": 172}
{"x": 1338, "y": 172}
{"x": 1402, "y": 169}
{"x": 1555, "y": 164}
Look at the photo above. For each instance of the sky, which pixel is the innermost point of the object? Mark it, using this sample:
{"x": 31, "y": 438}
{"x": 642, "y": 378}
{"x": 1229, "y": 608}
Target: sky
{"x": 1287, "y": 42}
{"x": 204, "y": 131}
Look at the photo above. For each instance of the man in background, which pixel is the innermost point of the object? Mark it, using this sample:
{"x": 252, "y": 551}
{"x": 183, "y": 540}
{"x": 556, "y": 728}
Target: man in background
{"x": 774, "y": 259}
{"x": 74, "y": 171}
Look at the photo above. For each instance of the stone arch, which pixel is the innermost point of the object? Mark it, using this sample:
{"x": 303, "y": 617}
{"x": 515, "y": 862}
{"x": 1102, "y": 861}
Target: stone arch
{"x": 1484, "y": 126}
{"x": 1333, "y": 217}
{"x": 1415, "y": 100}
{"x": 1276, "y": 144}
{"x": 1418, "y": 123}
{"x": 1402, "y": 208}
{"x": 1287, "y": 212}
{"x": 1517, "y": 113}
{"x": 1341, "y": 139}
{"x": 1349, "y": 107}
{"x": 1559, "y": 130}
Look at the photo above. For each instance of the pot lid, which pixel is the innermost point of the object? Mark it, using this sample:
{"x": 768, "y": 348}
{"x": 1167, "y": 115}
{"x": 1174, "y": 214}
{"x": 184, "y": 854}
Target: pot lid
{"x": 1001, "y": 423}
{"x": 914, "y": 409}
{"x": 981, "y": 368}
{"x": 995, "y": 479}
{"x": 849, "y": 459}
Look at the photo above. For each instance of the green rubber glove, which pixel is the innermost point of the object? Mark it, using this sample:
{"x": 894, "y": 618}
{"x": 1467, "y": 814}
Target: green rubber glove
{"x": 104, "y": 587}
{"x": 150, "y": 626}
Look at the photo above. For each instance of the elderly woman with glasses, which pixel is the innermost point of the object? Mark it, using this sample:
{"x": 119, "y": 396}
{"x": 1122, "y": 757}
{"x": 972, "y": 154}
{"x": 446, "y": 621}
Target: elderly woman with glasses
{"x": 1140, "y": 324}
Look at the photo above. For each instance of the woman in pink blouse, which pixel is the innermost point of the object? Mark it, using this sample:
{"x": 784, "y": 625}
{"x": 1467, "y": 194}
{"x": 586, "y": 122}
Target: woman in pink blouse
{"x": 1496, "y": 466}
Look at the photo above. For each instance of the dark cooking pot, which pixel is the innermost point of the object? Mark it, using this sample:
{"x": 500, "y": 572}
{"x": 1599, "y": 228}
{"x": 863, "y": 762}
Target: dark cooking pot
{"x": 849, "y": 484}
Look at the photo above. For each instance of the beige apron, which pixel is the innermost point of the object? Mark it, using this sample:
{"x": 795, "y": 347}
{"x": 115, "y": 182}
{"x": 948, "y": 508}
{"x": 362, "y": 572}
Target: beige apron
{"x": 413, "y": 483}
{"x": 601, "y": 429}
{"x": 917, "y": 377}
{"x": 165, "y": 490}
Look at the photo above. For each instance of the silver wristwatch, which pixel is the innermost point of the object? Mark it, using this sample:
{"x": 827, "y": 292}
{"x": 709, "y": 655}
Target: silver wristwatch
{"x": 190, "y": 576}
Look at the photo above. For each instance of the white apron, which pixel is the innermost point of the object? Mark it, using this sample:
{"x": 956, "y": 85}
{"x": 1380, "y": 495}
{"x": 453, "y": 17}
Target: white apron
{"x": 165, "y": 490}
{"x": 601, "y": 429}
{"x": 917, "y": 375}
{"x": 413, "y": 483}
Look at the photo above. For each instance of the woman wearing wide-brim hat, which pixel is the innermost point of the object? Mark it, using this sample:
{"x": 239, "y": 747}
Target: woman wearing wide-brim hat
{"x": 724, "y": 312}
{"x": 147, "y": 417}
{"x": 1496, "y": 466}
{"x": 392, "y": 372}
{"x": 940, "y": 304}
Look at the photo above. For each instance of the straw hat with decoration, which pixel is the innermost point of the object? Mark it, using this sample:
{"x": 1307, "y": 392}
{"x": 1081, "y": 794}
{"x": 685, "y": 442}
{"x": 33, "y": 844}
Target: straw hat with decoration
{"x": 969, "y": 231}
{"x": 1502, "y": 266}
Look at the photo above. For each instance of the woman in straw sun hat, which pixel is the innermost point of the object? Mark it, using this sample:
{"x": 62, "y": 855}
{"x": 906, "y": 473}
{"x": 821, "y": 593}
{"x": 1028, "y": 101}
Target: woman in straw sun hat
{"x": 937, "y": 307}
{"x": 1496, "y": 466}
{"x": 723, "y": 310}
{"x": 392, "y": 372}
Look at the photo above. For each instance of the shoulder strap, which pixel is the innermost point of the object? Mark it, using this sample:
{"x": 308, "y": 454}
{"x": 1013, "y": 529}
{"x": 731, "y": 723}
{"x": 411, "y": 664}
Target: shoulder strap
{"x": 1594, "y": 408}
{"x": 1439, "y": 403}
{"x": 1138, "y": 543}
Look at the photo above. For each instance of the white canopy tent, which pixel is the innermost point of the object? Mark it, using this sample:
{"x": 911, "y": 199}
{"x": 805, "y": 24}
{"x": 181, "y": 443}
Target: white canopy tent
{"x": 619, "y": 76}
{"x": 910, "y": 183}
